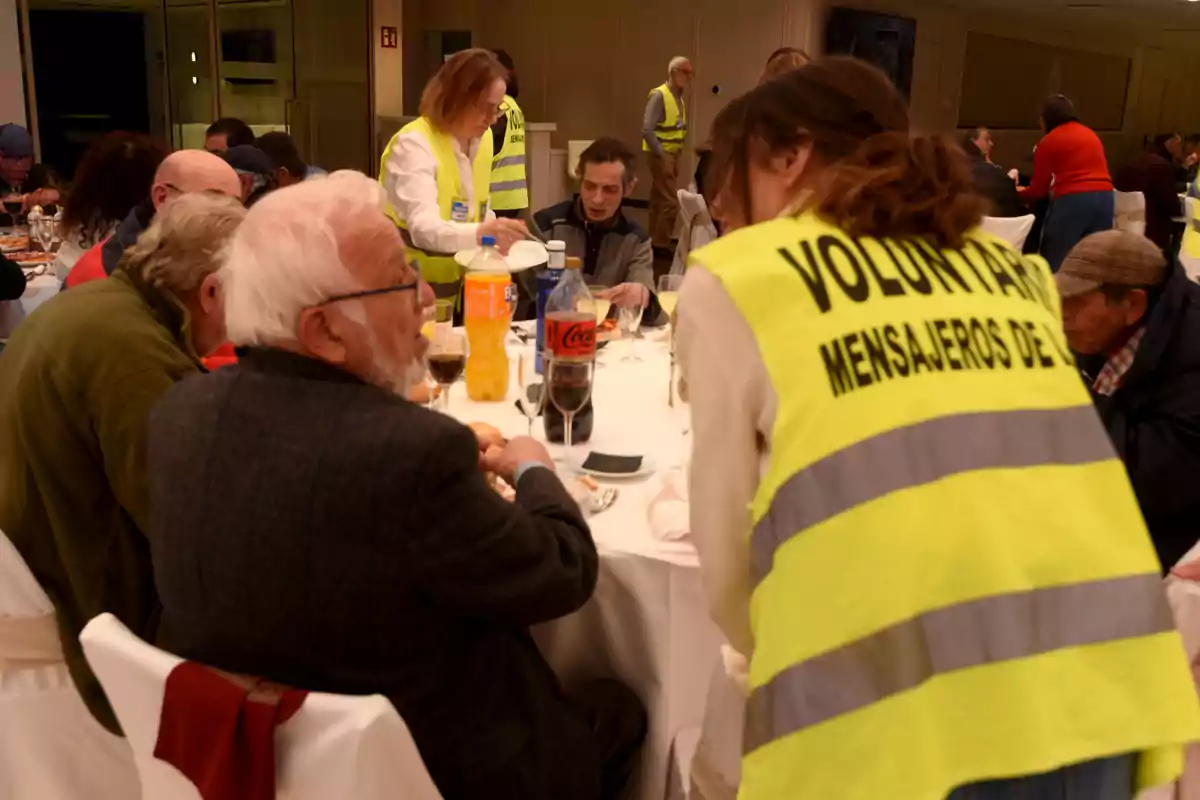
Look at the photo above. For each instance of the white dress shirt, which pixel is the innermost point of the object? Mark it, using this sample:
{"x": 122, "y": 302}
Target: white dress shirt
{"x": 410, "y": 181}
{"x": 733, "y": 407}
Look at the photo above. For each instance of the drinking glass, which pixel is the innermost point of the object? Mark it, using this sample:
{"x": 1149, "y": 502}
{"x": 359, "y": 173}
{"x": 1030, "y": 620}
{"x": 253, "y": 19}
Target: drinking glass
{"x": 629, "y": 320}
{"x": 569, "y": 383}
{"x": 45, "y": 231}
{"x": 532, "y": 396}
{"x": 447, "y": 360}
{"x": 12, "y": 205}
{"x": 603, "y": 305}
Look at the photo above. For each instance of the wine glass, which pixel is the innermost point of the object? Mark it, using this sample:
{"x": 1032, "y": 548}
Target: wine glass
{"x": 603, "y": 304}
{"x": 45, "y": 231}
{"x": 532, "y": 396}
{"x": 447, "y": 360}
{"x": 629, "y": 320}
{"x": 13, "y": 203}
{"x": 569, "y": 383}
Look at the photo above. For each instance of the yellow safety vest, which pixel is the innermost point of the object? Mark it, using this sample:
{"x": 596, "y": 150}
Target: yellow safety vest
{"x": 510, "y": 192}
{"x": 673, "y": 129}
{"x": 952, "y": 580}
{"x": 1191, "y": 231}
{"x": 440, "y": 270}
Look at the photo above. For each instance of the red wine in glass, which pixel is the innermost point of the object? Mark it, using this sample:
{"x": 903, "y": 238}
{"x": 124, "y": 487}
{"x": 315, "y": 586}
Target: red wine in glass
{"x": 447, "y": 368}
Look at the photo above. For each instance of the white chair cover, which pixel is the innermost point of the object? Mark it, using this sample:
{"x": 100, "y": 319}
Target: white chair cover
{"x": 51, "y": 748}
{"x": 1014, "y": 230}
{"x": 1191, "y": 263}
{"x": 334, "y": 748}
{"x": 1184, "y": 597}
{"x": 1131, "y": 212}
{"x": 697, "y": 228}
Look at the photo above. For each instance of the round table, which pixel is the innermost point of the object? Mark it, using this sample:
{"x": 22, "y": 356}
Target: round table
{"x": 647, "y": 623}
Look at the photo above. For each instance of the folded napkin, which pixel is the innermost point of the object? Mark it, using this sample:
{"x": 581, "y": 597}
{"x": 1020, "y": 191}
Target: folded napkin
{"x": 218, "y": 729}
{"x": 668, "y": 507}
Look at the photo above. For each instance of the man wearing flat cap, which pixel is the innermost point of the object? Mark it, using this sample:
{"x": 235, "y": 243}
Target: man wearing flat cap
{"x": 1134, "y": 324}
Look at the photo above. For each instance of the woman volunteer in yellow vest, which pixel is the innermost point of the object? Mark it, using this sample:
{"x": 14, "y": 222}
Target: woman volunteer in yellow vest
{"x": 437, "y": 169}
{"x": 908, "y": 515}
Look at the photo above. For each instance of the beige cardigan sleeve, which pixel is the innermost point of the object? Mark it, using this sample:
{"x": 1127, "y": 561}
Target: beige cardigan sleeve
{"x": 733, "y": 411}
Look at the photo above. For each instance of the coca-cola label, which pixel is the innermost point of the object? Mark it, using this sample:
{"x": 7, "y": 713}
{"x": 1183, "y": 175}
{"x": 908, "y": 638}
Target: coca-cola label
{"x": 571, "y": 336}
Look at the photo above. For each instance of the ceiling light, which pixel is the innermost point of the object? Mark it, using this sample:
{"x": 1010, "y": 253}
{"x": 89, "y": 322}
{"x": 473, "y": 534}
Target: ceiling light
{"x": 193, "y": 56}
{"x": 195, "y": 80}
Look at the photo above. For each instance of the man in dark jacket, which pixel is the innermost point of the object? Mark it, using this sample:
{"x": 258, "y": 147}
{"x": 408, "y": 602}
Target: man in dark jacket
{"x": 77, "y": 382}
{"x": 990, "y": 179}
{"x": 615, "y": 251}
{"x": 314, "y": 527}
{"x": 1153, "y": 174}
{"x": 1135, "y": 324}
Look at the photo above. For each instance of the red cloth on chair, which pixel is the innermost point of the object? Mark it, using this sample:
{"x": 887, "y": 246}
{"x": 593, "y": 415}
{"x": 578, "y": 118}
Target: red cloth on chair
{"x": 218, "y": 729}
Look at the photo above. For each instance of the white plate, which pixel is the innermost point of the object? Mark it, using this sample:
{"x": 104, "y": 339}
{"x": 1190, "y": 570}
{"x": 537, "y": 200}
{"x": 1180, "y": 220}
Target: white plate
{"x": 522, "y": 255}
{"x": 648, "y": 469}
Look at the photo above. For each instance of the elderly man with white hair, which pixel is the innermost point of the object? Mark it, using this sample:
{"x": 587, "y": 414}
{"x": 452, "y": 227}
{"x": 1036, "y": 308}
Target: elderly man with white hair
{"x": 314, "y": 527}
{"x": 664, "y": 130}
{"x": 77, "y": 382}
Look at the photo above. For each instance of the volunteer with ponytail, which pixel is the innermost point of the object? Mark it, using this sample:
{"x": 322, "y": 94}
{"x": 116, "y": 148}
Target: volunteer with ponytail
{"x": 909, "y": 517}
{"x": 437, "y": 169}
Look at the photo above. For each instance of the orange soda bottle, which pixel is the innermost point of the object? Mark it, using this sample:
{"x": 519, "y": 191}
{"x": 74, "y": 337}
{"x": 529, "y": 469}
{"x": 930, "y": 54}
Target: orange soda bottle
{"x": 489, "y": 299}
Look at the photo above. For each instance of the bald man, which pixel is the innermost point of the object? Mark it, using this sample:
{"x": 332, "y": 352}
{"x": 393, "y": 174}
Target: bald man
{"x": 182, "y": 172}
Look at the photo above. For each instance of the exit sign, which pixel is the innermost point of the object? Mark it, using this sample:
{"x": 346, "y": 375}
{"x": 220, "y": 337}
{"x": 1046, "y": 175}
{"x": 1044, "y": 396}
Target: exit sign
{"x": 389, "y": 36}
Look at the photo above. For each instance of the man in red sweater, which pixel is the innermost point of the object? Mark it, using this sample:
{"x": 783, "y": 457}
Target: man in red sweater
{"x": 1070, "y": 167}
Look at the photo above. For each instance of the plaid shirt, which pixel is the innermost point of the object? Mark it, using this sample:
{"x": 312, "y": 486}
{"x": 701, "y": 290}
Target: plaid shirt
{"x": 1110, "y": 378}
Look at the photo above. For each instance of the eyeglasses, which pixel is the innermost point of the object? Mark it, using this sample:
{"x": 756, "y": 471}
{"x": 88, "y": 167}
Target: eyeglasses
{"x": 399, "y": 287}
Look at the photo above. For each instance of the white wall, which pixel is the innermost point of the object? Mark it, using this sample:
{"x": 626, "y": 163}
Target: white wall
{"x": 12, "y": 85}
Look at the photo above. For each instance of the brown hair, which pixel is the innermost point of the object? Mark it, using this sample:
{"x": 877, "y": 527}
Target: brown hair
{"x": 459, "y": 84}
{"x": 868, "y": 174}
{"x": 606, "y": 150}
{"x": 782, "y": 61}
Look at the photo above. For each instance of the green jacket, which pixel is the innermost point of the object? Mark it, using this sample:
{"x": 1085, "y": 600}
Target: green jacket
{"x": 77, "y": 382}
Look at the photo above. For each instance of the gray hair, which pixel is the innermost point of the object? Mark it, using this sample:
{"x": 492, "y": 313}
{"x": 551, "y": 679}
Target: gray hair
{"x": 186, "y": 242}
{"x": 287, "y": 257}
{"x": 676, "y": 63}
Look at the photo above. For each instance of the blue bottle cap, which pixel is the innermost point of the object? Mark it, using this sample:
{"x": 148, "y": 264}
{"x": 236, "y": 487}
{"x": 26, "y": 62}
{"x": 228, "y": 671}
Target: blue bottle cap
{"x": 488, "y": 241}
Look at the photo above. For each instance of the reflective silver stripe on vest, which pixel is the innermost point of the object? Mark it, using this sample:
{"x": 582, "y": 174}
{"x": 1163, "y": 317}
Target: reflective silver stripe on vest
{"x": 919, "y": 454}
{"x": 972, "y": 634}
{"x": 509, "y": 161}
{"x": 507, "y": 186}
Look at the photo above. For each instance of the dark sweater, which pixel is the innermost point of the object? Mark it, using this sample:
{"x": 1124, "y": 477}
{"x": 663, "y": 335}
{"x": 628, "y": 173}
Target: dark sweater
{"x": 1154, "y": 420}
{"x": 12, "y": 280}
{"x": 327, "y": 534}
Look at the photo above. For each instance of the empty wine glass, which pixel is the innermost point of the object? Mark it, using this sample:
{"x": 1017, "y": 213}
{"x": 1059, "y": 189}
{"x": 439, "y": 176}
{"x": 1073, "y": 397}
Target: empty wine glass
{"x": 629, "y": 320}
{"x": 569, "y": 383}
{"x": 532, "y": 395}
{"x": 43, "y": 230}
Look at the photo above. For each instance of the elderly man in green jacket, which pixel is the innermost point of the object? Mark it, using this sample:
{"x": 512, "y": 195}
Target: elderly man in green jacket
{"x": 77, "y": 382}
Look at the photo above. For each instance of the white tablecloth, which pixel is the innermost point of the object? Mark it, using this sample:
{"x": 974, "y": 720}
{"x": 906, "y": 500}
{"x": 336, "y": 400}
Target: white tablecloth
{"x": 38, "y": 291}
{"x": 648, "y": 623}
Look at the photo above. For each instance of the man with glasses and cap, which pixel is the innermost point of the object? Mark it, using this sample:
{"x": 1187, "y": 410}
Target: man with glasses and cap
{"x": 1134, "y": 323}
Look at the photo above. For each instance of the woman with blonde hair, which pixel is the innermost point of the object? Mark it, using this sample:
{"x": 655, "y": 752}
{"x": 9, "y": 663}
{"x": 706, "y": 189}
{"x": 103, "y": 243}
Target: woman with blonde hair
{"x": 908, "y": 516}
{"x": 436, "y": 170}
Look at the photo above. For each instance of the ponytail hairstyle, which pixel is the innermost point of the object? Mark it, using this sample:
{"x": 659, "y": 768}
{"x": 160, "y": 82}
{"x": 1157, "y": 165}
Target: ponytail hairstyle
{"x": 866, "y": 173}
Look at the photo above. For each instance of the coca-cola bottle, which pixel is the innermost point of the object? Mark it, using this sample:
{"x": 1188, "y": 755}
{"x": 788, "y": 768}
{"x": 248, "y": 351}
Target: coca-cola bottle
{"x": 571, "y": 342}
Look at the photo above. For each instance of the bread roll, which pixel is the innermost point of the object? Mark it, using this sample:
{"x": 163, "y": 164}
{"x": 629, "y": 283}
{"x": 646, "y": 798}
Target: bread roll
{"x": 488, "y": 435}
